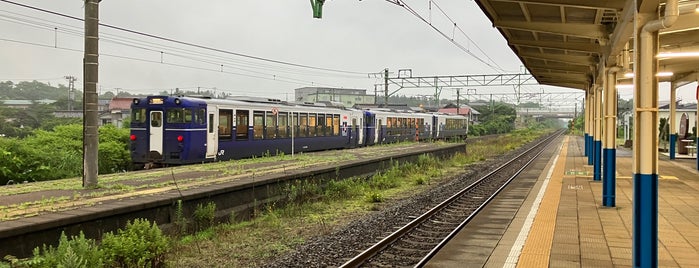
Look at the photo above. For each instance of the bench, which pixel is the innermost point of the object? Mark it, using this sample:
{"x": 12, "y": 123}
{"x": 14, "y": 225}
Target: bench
{"x": 690, "y": 149}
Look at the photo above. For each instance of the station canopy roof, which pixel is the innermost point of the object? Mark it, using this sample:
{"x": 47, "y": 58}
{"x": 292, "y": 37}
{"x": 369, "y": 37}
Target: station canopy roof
{"x": 562, "y": 42}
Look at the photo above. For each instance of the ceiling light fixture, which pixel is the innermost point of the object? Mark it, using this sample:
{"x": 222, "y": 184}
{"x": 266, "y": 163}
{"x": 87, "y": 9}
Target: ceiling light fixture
{"x": 629, "y": 75}
{"x": 668, "y": 55}
{"x": 664, "y": 74}
{"x": 624, "y": 86}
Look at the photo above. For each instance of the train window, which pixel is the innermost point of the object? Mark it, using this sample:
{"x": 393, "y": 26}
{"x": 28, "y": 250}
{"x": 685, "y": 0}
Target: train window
{"x": 188, "y": 116}
{"x": 211, "y": 123}
{"x": 271, "y": 126}
{"x": 242, "y": 119}
{"x": 175, "y": 115}
{"x": 321, "y": 125}
{"x": 295, "y": 124}
{"x": 258, "y": 125}
{"x": 225, "y": 118}
{"x": 138, "y": 115}
{"x": 336, "y": 125}
{"x": 312, "y": 125}
{"x": 283, "y": 124}
{"x": 200, "y": 116}
{"x": 303, "y": 125}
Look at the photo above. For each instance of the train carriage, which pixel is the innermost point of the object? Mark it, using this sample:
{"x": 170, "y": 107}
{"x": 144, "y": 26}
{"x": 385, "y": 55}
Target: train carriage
{"x": 168, "y": 130}
{"x": 182, "y": 130}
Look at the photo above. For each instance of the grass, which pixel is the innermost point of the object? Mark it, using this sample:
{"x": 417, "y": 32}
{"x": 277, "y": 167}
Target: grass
{"x": 321, "y": 210}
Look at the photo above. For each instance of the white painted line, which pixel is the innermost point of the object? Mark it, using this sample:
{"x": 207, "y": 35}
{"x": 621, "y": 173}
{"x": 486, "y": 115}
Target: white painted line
{"x": 516, "y": 249}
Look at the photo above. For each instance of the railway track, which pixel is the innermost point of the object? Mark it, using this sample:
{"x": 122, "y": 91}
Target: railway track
{"x": 416, "y": 242}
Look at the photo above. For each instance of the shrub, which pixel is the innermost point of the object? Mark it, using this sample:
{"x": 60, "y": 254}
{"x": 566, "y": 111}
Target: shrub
{"x": 140, "y": 244}
{"x": 77, "y": 251}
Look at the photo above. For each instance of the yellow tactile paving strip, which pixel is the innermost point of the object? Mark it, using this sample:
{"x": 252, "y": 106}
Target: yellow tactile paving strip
{"x": 573, "y": 229}
{"x": 537, "y": 249}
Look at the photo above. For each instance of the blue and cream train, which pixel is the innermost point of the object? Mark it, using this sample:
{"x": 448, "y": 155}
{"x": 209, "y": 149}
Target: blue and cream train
{"x": 168, "y": 130}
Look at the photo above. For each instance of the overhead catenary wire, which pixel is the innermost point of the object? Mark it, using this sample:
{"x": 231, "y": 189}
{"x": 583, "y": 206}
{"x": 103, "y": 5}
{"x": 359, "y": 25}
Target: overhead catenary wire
{"x": 187, "y": 43}
{"x": 275, "y": 78}
{"x": 416, "y": 14}
{"x": 108, "y": 38}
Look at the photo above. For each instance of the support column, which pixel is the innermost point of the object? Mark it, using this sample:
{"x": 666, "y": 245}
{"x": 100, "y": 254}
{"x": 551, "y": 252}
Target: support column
{"x": 673, "y": 110}
{"x": 645, "y": 153}
{"x": 696, "y": 124}
{"x": 610, "y": 133}
{"x": 591, "y": 143}
{"x": 597, "y": 176}
{"x": 586, "y": 119}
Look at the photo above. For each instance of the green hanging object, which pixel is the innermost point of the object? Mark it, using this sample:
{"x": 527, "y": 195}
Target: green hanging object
{"x": 317, "y": 6}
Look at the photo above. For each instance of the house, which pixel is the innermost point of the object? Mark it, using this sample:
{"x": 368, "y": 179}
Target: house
{"x": 689, "y": 109}
{"x": 119, "y": 109}
{"x": 348, "y": 97}
{"x": 461, "y": 109}
{"x": 23, "y": 104}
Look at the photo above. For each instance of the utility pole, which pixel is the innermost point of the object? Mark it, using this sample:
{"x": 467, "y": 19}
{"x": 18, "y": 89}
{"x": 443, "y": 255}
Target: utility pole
{"x": 90, "y": 77}
{"x": 385, "y": 82}
{"x": 71, "y": 90}
{"x": 458, "y": 97}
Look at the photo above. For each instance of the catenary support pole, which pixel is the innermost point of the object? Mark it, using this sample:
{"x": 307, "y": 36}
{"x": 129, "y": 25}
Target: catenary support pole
{"x": 645, "y": 153}
{"x": 90, "y": 77}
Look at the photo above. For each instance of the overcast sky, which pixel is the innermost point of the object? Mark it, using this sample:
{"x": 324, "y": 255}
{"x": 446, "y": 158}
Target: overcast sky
{"x": 353, "y": 37}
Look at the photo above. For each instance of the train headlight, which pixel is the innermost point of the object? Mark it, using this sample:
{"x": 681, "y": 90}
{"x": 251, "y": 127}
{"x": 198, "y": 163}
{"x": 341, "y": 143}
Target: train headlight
{"x": 132, "y": 137}
{"x": 180, "y": 138}
{"x": 178, "y": 101}
{"x": 136, "y": 101}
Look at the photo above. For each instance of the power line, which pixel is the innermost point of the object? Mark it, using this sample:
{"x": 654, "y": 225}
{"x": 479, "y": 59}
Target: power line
{"x": 466, "y": 35}
{"x": 274, "y": 78}
{"x": 186, "y": 43}
{"x": 416, "y": 14}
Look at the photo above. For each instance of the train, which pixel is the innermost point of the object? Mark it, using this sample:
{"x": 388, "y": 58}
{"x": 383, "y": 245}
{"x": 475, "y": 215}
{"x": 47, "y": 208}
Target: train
{"x": 180, "y": 130}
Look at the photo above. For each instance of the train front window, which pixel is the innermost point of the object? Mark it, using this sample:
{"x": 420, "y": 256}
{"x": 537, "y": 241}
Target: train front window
{"x": 138, "y": 115}
{"x": 176, "y": 115}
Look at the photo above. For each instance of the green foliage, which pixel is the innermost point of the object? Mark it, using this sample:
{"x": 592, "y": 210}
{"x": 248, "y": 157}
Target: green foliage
{"x": 496, "y": 121}
{"x": 77, "y": 251}
{"x": 57, "y": 154}
{"x": 140, "y": 244}
{"x": 204, "y": 215}
{"x": 180, "y": 220}
{"x": 375, "y": 197}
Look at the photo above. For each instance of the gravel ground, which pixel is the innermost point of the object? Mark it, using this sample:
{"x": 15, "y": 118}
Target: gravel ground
{"x": 339, "y": 246}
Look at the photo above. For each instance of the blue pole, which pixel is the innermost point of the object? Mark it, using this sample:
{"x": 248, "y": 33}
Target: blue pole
{"x": 645, "y": 220}
{"x": 609, "y": 182}
{"x": 696, "y": 151}
{"x": 598, "y": 161}
{"x": 587, "y": 146}
{"x": 673, "y": 139}
{"x": 591, "y": 153}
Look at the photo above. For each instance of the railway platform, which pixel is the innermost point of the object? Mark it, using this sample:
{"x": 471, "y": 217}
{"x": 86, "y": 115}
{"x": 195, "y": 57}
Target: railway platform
{"x": 554, "y": 217}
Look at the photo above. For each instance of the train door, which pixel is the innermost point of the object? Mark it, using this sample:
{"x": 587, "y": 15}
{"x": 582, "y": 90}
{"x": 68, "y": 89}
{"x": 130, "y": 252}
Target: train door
{"x": 156, "y": 132}
{"x": 370, "y": 121}
{"x": 354, "y": 134}
{"x": 211, "y": 135}
{"x": 361, "y": 132}
{"x": 435, "y": 127}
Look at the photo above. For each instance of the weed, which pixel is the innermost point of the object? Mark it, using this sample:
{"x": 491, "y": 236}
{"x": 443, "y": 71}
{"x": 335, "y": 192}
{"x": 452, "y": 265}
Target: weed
{"x": 204, "y": 215}
{"x": 140, "y": 244}
{"x": 180, "y": 221}
{"x": 375, "y": 197}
